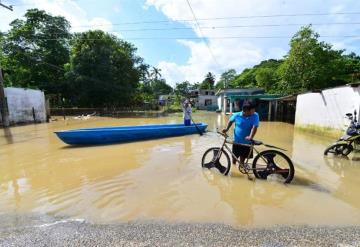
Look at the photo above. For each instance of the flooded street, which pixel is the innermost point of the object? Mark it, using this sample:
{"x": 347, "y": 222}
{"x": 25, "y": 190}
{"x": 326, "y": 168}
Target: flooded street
{"x": 163, "y": 179}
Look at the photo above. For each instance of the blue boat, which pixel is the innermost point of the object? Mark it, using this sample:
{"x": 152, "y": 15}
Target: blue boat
{"x": 119, "y": 134}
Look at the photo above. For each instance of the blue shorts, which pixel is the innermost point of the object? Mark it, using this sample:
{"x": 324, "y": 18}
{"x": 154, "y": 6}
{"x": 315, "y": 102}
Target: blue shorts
{"x": 187, "y": 122}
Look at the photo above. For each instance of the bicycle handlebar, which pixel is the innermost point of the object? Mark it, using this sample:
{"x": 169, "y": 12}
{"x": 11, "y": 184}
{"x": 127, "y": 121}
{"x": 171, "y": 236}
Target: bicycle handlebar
{"x": 223, "y": 134}
{"x": 253, "y": 142}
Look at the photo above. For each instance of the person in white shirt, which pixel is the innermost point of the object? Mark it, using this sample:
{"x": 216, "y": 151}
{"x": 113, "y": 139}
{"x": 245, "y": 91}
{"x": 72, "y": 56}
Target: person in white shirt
{"x": 186, "y": 106}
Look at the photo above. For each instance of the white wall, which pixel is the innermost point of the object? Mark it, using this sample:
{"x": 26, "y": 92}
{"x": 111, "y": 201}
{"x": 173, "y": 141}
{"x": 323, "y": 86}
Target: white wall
{"x": 202, "y": 98}
{"x": 328, "y": 108}
{"x": 20, "y": 103}
{"x": 220, "y": 102}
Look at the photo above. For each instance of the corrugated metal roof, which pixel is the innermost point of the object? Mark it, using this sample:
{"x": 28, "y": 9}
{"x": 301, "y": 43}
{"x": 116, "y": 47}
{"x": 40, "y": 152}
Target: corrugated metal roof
{"x": 254, "y": 96}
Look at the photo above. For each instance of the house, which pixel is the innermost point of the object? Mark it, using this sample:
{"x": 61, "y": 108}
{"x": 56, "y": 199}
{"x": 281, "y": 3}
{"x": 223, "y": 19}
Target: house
{"x": 164, "y": 99}
{"x": 283, "y": 109}
{"x": 231, "y": 100}
{"x": 204, "y": 99}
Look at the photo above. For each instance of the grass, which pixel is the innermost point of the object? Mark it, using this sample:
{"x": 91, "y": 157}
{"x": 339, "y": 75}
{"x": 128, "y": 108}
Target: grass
{"x": 320, "y": 130}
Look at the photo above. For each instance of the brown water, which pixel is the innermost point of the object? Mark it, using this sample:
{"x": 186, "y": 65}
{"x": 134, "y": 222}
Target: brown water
{"x": 162, "y": 179}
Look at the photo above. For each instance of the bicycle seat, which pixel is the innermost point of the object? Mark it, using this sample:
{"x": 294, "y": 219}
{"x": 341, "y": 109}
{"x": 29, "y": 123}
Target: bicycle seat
{"x": 256, "y": 143}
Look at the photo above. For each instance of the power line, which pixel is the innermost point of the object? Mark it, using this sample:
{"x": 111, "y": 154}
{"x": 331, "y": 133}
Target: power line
{"x": 199, "y": 38}
{"x": 215, "y": 18}
{"x": 34, "y": 5}
{"x": 225, "y": 27}
{"x": 10, "y": 7}
{"x": 202, "y": 35}
{"x": 224, "y": 18}
{"x": 236, "y": 26}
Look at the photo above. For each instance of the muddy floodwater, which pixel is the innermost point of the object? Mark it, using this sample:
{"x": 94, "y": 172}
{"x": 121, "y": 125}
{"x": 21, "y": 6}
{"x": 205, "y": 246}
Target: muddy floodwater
{"x": 163, "y": 179}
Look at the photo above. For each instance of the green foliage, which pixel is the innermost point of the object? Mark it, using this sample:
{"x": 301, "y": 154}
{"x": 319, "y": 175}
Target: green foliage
{"x": 102, "y": 70}
{"x": 351, "y": 68}
{"x": 310, "y": 64}
{"x": 264, "y": 75}
{"x": 183, "y": 89}
{"x": 208, "y": 82}
{"x": 90, "y": 69}
{"x": 226, "y": 79}
{"x": 160, "y": 87}
{"x": 194, "y": 86}
{"x": 95, "y": 69}
{"x": 245, "y": 79}
{"x": 35, "y": 50}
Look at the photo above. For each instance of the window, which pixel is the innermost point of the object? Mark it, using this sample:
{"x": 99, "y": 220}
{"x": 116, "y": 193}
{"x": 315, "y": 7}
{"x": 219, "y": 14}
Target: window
{"x": 206, "y": 93}
{"x": 208, "y": 102}
{"x": 212, "y": 93}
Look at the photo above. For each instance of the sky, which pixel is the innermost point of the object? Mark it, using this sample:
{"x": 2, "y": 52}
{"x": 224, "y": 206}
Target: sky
{"x": 188, "y": 38}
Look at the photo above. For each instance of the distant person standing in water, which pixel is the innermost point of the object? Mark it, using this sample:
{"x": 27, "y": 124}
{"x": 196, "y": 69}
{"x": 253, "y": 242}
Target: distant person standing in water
{"x": 186, "y": 106}
{"x": 246, "y": 124}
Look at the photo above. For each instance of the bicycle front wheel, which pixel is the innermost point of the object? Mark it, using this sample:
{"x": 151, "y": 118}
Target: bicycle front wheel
{"x": 273, "y": 164}
{"x": 213, "y": 159}
{"x": 339, "y": 148}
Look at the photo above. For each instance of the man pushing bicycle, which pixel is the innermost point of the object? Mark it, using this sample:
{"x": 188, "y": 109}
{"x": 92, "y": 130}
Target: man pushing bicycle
{"x": 246, "y": 124}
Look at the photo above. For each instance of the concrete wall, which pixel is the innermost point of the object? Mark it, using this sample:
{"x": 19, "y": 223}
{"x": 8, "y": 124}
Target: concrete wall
{"x": 220, "y": 102}
{"x": 326, "y": 110}
{"x": 20, "y": 103}
{"x": 203, "y": 98}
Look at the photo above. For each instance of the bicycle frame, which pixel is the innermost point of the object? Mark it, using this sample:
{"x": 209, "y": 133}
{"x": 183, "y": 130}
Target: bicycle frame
{"x": 244, "y": 165}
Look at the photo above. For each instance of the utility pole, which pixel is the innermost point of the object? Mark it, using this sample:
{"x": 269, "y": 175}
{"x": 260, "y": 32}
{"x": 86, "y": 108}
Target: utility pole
{"x": 3, "y": 104}
{"x": 10, "y": 7}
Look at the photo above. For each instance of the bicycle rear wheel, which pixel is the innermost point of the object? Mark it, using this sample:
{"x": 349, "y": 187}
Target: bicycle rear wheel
{"x": 211, "y": 160}
{"x": 273, "y": 164}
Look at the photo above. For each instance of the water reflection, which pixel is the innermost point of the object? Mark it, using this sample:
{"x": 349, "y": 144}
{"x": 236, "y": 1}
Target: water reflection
{"x": 162, "y": 179}
{"x": 8, "y": 135}
{"x": 348, "y": 172}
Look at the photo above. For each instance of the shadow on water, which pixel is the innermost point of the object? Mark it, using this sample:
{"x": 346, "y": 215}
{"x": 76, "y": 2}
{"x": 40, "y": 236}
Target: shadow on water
{"x": 77, "y": 146}
{"x": 137, "y": 115}
{"x": 305, "y": 182}
{"x": 8, "y": 136}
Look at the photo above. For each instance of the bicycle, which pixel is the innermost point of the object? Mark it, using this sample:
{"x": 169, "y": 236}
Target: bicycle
{"x": 268, "y": 163}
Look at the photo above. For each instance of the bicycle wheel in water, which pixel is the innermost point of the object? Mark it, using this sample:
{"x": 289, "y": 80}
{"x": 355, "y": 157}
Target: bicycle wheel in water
{"x": 339, "y": 149}
{"x": 210, "y": 160}
{"x": 273, "y": 164}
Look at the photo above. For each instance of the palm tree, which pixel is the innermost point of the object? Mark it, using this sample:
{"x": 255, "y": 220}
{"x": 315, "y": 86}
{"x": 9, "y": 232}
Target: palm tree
{"x": 155, "y": 73}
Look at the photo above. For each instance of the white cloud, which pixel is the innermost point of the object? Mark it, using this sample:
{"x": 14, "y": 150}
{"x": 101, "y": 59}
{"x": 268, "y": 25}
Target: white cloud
{"x": 242, "y": 53}
{"x": 71, "y": 10}
{"x": 101, "y": 23}
{"x": 201, "y": 61}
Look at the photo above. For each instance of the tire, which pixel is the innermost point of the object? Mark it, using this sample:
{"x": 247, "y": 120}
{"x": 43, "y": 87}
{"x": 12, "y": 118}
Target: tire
{"x": 265, "y": 160}
{"x": 340, "y": 148}
{"x": 222, "y": 164}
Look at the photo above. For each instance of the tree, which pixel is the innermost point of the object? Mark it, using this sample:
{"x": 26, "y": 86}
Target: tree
{"x": 35, "y": 51}
{"x": 155, "y": 73}
{"x": 245, "y": 79}
{"x": 160, "y": 87}
{"x": 226, "y": 79}
{"x": 183, "y": 89}
{"x": 208, "y": 82}
{"x": 194, "y": 86}
{"x": 310, "y": 64}
{"x": 103, "y": 70}
{"x": 267, "y": 79}
{"x": 351, "y": 71}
